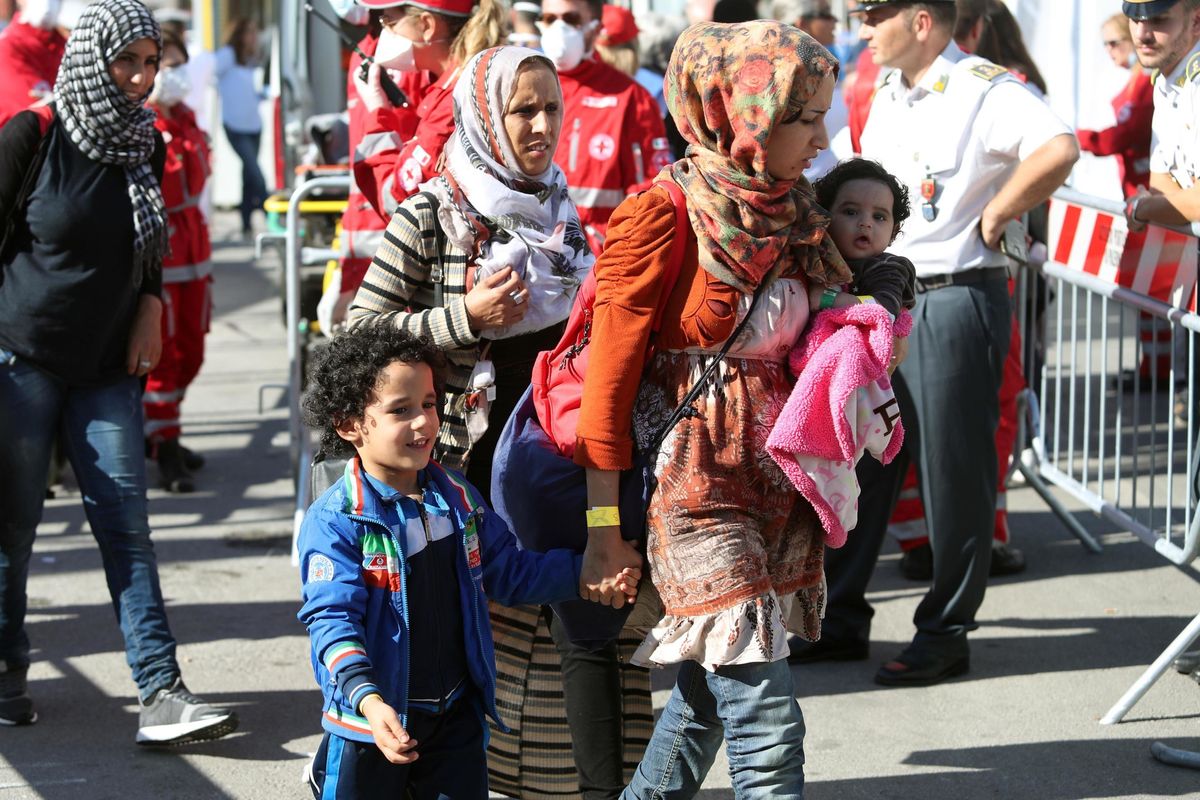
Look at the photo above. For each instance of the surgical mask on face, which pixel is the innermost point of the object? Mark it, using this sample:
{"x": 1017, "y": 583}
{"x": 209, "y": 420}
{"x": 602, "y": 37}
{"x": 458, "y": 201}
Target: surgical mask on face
{"x": 172, "y": 85}
{"x": 395, "y": 52}
{"x": 351, "y": 11}
{"x": 40, "y": 13}
{"x": 563, "y": 44}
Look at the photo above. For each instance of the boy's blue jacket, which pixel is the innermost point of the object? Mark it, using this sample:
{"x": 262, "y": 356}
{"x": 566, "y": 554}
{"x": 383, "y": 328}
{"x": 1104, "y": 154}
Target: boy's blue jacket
{"x": 355, "y": 605}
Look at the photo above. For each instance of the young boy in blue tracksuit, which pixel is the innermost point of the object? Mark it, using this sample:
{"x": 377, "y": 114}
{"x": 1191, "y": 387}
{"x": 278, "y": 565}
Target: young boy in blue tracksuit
{"x": 395, "y": 560}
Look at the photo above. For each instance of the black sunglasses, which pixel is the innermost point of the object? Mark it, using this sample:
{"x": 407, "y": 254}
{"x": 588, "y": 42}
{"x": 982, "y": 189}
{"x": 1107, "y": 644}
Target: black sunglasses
{"x": 572, "y": 18}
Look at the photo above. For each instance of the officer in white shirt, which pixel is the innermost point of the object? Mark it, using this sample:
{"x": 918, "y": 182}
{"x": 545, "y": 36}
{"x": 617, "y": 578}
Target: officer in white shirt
{"x": 1166, "y": 35}
{"x": 976, "y": 150}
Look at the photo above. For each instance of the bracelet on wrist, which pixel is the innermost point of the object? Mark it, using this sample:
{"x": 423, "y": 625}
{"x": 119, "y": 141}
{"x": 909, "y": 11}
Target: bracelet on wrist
{"x": 828, "y": 298}
{"x": 603, "y": 517}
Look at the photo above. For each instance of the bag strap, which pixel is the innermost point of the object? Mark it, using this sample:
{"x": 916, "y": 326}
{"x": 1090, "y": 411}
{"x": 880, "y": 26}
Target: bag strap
{"x": 45, "y": 117}
{"x": 437, "y": 276}
{"x": 685, "y": 409}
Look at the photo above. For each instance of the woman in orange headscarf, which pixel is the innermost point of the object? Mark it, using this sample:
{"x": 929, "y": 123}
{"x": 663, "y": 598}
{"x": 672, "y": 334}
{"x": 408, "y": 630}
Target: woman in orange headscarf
{"x": 735, "y": 552}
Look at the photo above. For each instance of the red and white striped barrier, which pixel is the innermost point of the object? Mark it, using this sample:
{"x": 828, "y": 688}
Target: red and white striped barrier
{"x": 1155, "y": 262}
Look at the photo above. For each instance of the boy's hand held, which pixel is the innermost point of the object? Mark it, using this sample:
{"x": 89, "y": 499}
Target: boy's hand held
{"x": 610, "y": 566}
{"x": 390, "y": 737}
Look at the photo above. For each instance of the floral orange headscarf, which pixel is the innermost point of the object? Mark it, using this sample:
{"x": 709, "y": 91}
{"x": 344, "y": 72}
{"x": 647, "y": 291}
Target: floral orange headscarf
{"x": 728, "y": 87}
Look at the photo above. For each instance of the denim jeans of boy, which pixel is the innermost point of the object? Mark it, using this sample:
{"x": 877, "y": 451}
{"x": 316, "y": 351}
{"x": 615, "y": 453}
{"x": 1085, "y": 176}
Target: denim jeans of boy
{"x": 102, "y": 431}
{"x": 752, "y": 708}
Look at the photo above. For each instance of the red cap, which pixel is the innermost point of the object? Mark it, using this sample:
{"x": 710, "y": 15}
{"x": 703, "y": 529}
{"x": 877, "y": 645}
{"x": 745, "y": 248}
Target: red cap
{"x": 454, "y": 8}
{"x": 618, "y": 26}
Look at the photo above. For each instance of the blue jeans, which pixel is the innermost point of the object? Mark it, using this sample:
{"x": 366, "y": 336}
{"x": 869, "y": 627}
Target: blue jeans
{"x": 753, "y": 708}
{"x": 254, "y": 186}
{"x": 102, "y": 430}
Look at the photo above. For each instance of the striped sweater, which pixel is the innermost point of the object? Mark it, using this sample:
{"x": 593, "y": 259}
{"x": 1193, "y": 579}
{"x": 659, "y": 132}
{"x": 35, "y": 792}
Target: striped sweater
{"x": 399, "y": 290}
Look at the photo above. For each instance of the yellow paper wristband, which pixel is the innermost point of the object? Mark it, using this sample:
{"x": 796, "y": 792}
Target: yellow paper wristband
{"x": 603, "y": 517}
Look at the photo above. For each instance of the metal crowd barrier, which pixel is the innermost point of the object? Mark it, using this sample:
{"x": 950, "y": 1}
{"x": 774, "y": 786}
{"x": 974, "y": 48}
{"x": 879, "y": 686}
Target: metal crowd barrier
{"x": 1124, "y": 447}
{"x": 300, "y": 446}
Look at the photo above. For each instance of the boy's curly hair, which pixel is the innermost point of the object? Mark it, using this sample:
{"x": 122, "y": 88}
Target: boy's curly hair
{"x": 343, "y": 376}
{"x": 827, "y": 186}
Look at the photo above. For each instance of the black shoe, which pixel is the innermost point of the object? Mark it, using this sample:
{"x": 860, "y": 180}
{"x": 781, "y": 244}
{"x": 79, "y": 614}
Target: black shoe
{"x": 917, "y": 564}
{"x": 1188, "y": 663}
{"x": 191, "y": 459}
{"x": 920, "y": 666}
{"x": 16, "y": 708}
{"x": 176, "y": 716}
{"x": 1006, "y": 561}
{"x": 826, "y": 649}
{"x": 173, "y": 475}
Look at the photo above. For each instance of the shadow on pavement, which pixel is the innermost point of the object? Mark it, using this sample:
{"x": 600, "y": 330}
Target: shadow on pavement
{"x": 79, "y": 630}
{"x": 1041, "y": 771}
{"x": 1066, "y": 645}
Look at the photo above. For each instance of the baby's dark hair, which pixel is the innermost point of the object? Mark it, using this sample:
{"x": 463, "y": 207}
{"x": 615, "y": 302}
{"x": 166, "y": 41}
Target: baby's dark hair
{"x": 343, "y": 376}
{"x": 828, "y": 186}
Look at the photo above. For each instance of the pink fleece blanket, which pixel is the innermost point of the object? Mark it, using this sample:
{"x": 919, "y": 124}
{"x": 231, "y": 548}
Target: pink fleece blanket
{"x": 841, "y": 406}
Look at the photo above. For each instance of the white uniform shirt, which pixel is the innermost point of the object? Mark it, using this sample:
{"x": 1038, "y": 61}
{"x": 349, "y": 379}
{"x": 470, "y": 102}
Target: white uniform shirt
{"x": 966, "y": 124}
{"x": 1175, "y": 143}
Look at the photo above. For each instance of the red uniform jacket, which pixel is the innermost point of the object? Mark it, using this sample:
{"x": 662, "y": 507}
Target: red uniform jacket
{"x": 612, "y": 145}
{"x": 1129, "y": 139}
{"x": 399, "y": 148}
{"x": 362, "y": 225}
{"x": 183, "y": 180}
{"x": 858, "y": 100}
{"x": 29, "y": 59}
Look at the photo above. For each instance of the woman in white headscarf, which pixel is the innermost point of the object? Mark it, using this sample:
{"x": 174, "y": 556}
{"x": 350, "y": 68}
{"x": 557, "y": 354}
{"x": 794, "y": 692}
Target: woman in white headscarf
{"x": 487, "y": 258}
{"x": 81, "y": 250}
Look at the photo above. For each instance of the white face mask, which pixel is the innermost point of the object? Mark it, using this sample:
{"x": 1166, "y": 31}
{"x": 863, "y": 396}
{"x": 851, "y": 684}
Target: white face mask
{"x": 563, "y": 44}
{"x": 171, "y": 86}
{"x": 351, "y": 11}
{"x": 395, "y": 52}
{"x": 40, "y": 13}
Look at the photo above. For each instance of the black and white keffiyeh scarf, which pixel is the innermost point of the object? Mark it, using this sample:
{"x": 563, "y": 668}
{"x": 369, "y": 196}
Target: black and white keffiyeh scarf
{"x": 106, "y": 125}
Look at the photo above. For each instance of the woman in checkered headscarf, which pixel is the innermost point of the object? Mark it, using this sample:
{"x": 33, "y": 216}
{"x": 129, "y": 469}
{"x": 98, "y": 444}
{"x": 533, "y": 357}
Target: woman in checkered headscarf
{"x": 81, "y": 247}
{"x": 100, "y": 98}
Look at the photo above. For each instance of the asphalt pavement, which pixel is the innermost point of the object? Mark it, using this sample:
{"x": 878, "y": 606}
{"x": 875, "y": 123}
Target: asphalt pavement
{"x": 1057, "y": 645}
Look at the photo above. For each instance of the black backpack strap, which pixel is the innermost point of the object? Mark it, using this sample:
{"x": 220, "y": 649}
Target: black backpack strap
{"x": 28, "y": 182}
{"x": 437, "y": 275}
{"x": 685, "y": 408}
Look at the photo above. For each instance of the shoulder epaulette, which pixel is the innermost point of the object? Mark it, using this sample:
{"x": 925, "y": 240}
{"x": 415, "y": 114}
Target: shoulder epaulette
{"x": 1192, "y": 71}
{"x": 989, "y": 72}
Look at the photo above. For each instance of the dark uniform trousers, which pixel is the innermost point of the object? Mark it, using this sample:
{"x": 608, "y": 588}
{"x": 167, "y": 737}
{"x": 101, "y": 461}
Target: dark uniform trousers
{"x": 948, "y": 390}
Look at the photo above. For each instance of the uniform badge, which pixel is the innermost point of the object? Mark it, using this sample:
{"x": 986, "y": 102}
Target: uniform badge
{"x": 471, "y": 542}
{"x": 320, "y": 568}
{"x": 602, "y": 147}
{"x": 929, "y": 190}
{"x": 989, "y": 72}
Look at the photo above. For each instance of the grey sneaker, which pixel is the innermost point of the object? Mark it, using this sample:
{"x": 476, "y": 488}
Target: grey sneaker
{"x": 176, "y": 716}
{"x": 16, "y": 708}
